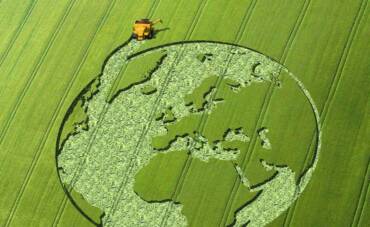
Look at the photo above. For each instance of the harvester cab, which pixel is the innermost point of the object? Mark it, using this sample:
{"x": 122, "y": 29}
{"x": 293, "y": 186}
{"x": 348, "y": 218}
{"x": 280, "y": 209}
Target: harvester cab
{"x": 144, "y": 29}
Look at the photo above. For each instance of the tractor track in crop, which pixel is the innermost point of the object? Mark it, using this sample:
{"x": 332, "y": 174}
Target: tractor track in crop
{"x": 265, "y": 105}
{"x": 45, "y": 136}
{"x": 166, "y": 81}
{"x": 40, "y": 147}
{"x": 333, "y": 87}
{"x": 201, "y": 125}
{"x": 200, "y": 128}
{"x": 19, "y": 99}
{"x": 18, "y": 31}
{"x": 112, "y": 94}
{"x": 203, "y": 119}
{"x": 69, "y": 188}
{"x": 105, "y": 108}
{"x": 51, "y": 41}
{"x": 34, "y": 72}
{"x": 164, "y": 220}
{"x": 362, "y": 198}
{"x": 334, "y": 84}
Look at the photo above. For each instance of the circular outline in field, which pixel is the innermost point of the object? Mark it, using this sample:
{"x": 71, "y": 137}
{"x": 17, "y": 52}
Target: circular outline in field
{"x": 60, "y": 143}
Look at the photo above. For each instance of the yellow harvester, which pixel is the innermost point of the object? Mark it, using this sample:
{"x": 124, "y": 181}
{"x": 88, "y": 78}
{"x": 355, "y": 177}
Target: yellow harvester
{"x": 144, "y": 29}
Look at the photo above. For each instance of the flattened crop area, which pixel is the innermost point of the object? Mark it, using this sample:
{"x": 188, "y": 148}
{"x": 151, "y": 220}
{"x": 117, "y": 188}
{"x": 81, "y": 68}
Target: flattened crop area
{"x": 199, "y": 130}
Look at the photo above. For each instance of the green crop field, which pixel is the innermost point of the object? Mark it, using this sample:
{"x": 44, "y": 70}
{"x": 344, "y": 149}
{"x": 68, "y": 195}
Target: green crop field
{"x": 237, "y": 112}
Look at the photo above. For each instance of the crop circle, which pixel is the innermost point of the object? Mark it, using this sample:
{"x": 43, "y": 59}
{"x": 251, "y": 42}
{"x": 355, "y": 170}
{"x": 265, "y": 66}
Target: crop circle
{"x": 250, "y": 112}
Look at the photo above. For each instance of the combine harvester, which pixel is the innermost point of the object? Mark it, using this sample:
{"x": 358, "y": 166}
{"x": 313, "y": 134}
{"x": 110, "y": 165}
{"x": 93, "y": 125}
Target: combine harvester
{"x": 144, "y": 29}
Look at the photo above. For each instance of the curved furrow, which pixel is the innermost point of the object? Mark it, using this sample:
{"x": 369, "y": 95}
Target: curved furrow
{"x": 334, "y": 84}
{"x": 19, "y": 99}
{"x": 54, "y": 116}
{"x": 265, "y": 105}
{"x": 178, "y": 57}
{"x": 201, "y": 124}
{"x": 200, "y": 128}
{"x": 14, "y": 206}
{"x": 70, "y": 187}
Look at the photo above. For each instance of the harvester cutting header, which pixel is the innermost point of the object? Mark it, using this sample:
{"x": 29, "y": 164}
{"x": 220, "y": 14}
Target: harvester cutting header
{"x": 144, "y": 29}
